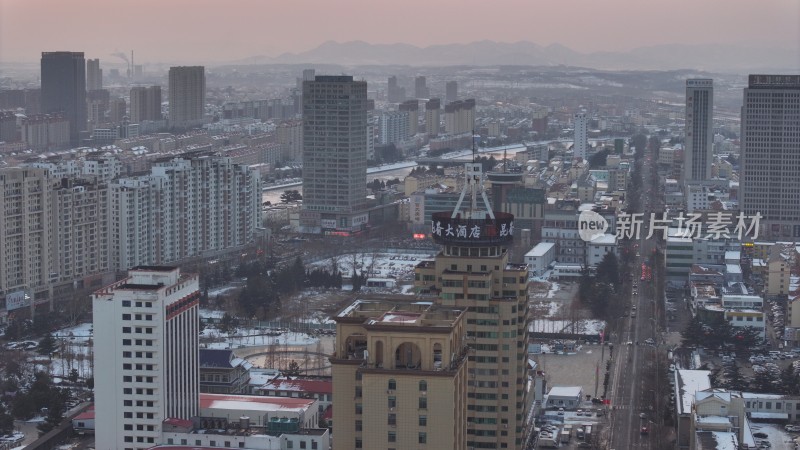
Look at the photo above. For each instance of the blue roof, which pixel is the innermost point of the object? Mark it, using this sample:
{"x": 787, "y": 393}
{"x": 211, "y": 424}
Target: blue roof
{"x": 215, "y": 358}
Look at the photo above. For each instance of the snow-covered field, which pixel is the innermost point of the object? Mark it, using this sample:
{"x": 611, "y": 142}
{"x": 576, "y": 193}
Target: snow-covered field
{"x": 399, "y": 267}
{"x": 247, "y": 337}
{"x": 584, "y": 326}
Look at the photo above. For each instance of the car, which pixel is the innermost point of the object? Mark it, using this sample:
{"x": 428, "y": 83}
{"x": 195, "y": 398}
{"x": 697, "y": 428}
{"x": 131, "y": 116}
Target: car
{"x": 649, "y": 341}
{"x": 629, "y": 343}
{"x": 633, "y": 315}
{"x": 642, "y": 415}
{"x": 560, "y": 411}
{"x": 760, "y": 435}
{"x": 644, "y": 430}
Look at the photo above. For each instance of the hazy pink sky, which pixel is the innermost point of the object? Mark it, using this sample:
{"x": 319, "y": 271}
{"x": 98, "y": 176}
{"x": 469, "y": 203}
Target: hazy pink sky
{"x": 224, "y": 30}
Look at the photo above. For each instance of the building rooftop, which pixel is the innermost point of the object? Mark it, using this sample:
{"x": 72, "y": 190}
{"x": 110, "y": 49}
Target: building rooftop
{"x": 566, "y": 391}
{"x": 254, "y": 402}
{"x": 299, "y": 385}
{"x": 688, "y": 383}
{"x": 400, "y": 312}
{"x": 540, "y": 249}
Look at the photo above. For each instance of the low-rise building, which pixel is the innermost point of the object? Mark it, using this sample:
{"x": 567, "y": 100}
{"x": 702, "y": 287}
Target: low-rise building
{"x": 221, "y": 372}
{"x": 540, "y": 257}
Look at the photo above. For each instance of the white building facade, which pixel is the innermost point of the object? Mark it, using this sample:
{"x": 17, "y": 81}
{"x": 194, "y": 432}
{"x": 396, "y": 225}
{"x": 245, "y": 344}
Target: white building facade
{"x": 146, "y": 348}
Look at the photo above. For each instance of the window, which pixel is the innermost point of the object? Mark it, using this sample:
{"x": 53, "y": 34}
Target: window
{"x": 392, "y": 401}
{"x": 302, "y": 444}
{"x": 423, "y": 385}
{"x": 359, "y": 425}
{"x": 289, "y": 444}
{"x": 126, "y": 317}
{"x": 359, "y": 444}
{"x": 422, "y": 438}
{"x": 423, "y": 421}
{"x": 313, "y": 445}
{"x": 126, "y": 303}
{"x": 391, "y": 436}
{"x": 392, "y": 420}
{"x": 423, "y": 403}
{"x": 392, "y": 384}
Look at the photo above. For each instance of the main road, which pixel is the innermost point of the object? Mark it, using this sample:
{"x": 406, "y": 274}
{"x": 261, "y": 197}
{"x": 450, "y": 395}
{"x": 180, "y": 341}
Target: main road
{"x": 636, "y": 376}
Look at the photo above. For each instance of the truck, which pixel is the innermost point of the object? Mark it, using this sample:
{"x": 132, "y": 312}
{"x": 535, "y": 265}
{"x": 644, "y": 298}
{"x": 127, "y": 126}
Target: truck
{"x": 565, "y": 435}
{"x": 587, "y": 432}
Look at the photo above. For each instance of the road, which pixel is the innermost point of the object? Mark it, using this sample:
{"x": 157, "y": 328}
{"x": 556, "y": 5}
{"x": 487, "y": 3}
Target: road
{"x": 636, "y": 372}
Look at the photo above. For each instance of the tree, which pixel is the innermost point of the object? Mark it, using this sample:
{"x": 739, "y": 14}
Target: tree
{"x": 291, "y": 195}
{"x": 765, "y": 382}
{"x": 47, "y": 345}
{"x": 608, "y": 269}
{"x": 734, "y": 376}
{"x": 73, "y": 376}
{"x": 227, "y": 323}
{"x": 693, "y": 334}
{"x": 789, "y": 381}
{"x": 293, "y": 370}
{"x": 599, "y": 158}
{"x": 6, "y": 421}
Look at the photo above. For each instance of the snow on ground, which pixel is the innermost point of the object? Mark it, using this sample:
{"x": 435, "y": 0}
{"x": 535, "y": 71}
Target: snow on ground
{"x": 777, "y": 437}
{"x": 79, "y": 333}
{"x": 554, "y": 287}
{"x": 246, "y": 337}
{"x": 219, "y": 291}
{"x": 211, "y": 313}
{"x": 399, "y": 266}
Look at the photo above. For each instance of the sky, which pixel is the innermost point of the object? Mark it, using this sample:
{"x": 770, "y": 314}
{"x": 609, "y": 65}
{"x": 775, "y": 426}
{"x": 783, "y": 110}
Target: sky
{"x": 205, "y": 31}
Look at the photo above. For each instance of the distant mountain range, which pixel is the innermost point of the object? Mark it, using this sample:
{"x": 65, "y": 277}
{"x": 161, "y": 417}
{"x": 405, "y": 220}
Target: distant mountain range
{"x": 721, "y": 57}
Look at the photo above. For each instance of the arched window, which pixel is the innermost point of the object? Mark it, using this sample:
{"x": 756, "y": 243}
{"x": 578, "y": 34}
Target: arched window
{"x": 423, "y": 385}
{"x": 392, "y": 384}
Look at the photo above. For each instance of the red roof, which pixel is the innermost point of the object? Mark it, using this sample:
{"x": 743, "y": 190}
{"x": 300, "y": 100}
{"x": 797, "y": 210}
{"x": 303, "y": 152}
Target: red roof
{"x": 86, "y": 415}
{"x": 299, "y": 385}
{"x": 328, "y": 414}
{"x": 178, "y": 422}
{"x": 208, "y": 400}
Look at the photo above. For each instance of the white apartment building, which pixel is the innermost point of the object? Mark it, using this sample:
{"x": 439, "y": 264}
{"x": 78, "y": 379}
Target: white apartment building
{"x": 459, "y": 116}
{"x": 146, "y": 345}
{"x": 184, "y": 208}
{"x": 394, "y": 127}
{"x": 580, "y": 123}
{"x": 699, "y": 130}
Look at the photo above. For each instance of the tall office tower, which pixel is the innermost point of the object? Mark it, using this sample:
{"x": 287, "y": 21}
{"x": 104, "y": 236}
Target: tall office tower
{"x": 451, "y": 91}
{"x": 187, "y": 96}
{"x": 395, "y": 93}
{"x": 94, "y": 75}
{"x": 581, "y": 136}
{"x": 394, "y": 127}
{"x": 403, "y": 365}
{"x": 472, "y": 273}
{"x": 64, "y": 89}
{"x": 421, "y": 88}
{"x": 184, "y": 208}
{"x": 146, "y": 345}
{"x": 412, "y": 108}
{"x": 8, "y": 127}
{"x": 145, "y": 103}
{"x": 334, "y": 152}
{"x": 432, "y": 117}
{"x": 770, "y": 153}
{"x": 26, "y": 223}
{"x": 699, "y": 128}
{"x": 459, "y": 117}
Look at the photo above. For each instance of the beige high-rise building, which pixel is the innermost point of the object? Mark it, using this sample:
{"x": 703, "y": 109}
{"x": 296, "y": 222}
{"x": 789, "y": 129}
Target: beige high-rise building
{"x": 94, "y": 75}
{"x": 290, "y": 136}
{"x": 26, "y": 231}
{"x": 472, "y": 272}
{"x": 412, "y": 107}
{"x": 459, "y": 117}
{"x": 187, "y": 96}
{"x": 433, "y": 117}
{"x": 400, "y": 376}
{"x": 402, "y": 362}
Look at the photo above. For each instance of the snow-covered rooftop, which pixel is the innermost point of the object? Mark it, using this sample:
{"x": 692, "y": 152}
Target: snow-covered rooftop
{"x": 688, "y": 383}
{"x": 565, "y": 391}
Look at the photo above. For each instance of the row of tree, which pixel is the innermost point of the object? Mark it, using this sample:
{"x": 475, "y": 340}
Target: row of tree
{"x": 602, "y": 291}
{"x": 718, "y": 334}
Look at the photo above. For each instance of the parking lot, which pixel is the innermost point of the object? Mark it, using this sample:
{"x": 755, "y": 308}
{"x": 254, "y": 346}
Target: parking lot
{"x": 576, "y": 369}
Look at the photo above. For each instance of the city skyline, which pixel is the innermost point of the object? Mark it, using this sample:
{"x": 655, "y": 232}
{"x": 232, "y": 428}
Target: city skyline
{"x": 606, "y": 26}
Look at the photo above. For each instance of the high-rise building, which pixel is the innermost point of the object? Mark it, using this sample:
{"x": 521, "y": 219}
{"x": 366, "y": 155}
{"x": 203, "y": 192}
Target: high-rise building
{"x": 117, "y": 110}
{"x": 451, "y": 91}
{"x": 64, "y": 89}
{"x": 146, "y": 330}
{"x": 403, "y": 365}
{"x": 395, "y": 93}
{"x": 27, "y": 230}
{"x": 187, "y": 96}
{"x": 8, "y": 127}
{"x": 94, "y": 75}
{"x": 334, "y": 153}
{"x": 145, "y": 103}
{"x": 472, "y": 273}
{"x": 770, "y": 153}
{"x": 433, "y": 117}
{"x": 459, "y": 117}
{"x": 184, "y": 208}
{"x": 421, "y": 88}
{"x": 290, "y": 135}
{"x": 394, "y": 127}
{"x": 581, "y": 136}
{"x": 699, "y": 129}
{"x": 45, "y": 132}
{"x": 412, "y": 108}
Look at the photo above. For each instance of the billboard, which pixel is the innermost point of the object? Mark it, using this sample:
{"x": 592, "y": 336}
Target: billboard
{"x": 328, "y": 223}
{"x": 16, "y": 300}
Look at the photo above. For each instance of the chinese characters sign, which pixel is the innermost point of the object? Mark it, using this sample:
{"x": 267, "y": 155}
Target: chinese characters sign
{"x": 718, "y": 225}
